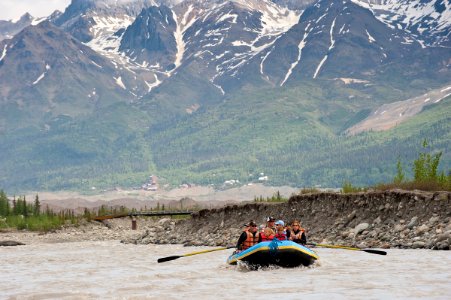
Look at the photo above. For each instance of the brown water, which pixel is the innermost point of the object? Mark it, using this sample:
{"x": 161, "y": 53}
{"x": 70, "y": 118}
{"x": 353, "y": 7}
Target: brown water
{"x": 110, "y": 270}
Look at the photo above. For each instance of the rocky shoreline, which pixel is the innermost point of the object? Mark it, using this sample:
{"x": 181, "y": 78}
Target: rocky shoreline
{"x": 392, "y": 219}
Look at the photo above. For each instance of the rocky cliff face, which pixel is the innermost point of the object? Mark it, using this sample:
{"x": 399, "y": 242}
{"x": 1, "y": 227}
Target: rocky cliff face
{"x": 394, "y": 219}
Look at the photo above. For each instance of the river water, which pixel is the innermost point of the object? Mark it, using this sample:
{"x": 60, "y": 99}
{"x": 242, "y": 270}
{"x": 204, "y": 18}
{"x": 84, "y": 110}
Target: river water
{"x": 111, "y": 270}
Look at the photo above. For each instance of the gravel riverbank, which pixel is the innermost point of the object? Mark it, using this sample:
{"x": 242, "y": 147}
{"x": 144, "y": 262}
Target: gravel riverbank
{"x": 394, "y": 219}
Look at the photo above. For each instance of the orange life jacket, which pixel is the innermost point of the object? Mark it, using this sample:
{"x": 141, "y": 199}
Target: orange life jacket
{"x": 250, "y": 241}
{"x": 266, "y": 238}
{"x": 297, "y": 236}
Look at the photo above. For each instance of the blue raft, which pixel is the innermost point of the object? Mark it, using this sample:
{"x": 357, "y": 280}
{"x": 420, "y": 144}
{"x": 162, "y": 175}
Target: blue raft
{"x": 285, "y": 254}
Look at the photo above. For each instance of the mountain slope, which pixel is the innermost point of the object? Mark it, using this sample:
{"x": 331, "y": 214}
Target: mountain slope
{"x": 208, "y": 91}
{"x": 233, "y": 46}
{"x": 9, "y": 28}
{"x": 46, "y": 71}
{"x": 428, "y": 21}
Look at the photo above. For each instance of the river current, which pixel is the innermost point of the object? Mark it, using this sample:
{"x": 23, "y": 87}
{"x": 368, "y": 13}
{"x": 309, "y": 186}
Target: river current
{"x": 111, "y": 270}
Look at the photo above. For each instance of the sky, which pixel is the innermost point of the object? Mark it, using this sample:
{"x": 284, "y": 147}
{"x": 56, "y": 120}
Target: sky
{"x": 13, "y": 9}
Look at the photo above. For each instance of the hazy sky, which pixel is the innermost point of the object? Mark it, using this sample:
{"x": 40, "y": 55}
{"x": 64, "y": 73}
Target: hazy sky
{"x": 13, "y": 9}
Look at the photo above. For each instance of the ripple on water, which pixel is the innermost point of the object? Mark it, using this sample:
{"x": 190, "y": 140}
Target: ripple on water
{"x": 93, "y": 270}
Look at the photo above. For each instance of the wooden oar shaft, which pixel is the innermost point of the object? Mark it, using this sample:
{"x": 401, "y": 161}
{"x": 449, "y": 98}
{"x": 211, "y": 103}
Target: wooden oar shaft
{"x": 372, "y": 251}
{"x": 338, "y": 247}
{"x": 173, "y": 257}
{"x": 205, "y": 251}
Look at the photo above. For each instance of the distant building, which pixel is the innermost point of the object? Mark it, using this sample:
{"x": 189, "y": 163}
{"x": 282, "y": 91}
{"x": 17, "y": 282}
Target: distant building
{"x": 151, "y": 184}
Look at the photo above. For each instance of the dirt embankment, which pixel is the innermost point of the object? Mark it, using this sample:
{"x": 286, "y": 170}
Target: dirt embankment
{"x": 397, "y": 219}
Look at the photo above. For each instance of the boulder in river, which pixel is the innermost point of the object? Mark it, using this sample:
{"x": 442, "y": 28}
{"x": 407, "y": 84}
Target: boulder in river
{"x": 10, "y": 243}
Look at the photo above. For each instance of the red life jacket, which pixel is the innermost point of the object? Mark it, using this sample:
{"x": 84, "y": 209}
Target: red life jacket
{"x": 281, "y": 236}
{"x": 266, "y": 238}
{"x": 250, "y": 241}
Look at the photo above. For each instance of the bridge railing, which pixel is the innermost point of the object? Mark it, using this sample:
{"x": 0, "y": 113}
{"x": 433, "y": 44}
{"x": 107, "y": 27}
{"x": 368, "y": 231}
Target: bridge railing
{"x": 144, "y": 213}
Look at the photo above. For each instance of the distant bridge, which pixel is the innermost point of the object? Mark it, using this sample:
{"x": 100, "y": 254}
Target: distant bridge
{"x": 144, "y": 213}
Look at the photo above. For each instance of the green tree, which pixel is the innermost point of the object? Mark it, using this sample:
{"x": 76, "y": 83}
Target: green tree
{"x": 4, "y": 204}
{"x": 400, "y": 176}
{"x": 426, "y": 165}
{"x": 37, "y": 206}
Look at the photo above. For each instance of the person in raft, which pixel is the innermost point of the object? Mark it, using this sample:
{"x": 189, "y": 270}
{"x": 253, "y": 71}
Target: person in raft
{"x": 245, "y": 227}
{"x": 297, "y": 233}
{"x": 248, "y": 238}
{"x": 281, "y": 235}
{"x": 270, "y": 223}
{"x": 267, "y": 235}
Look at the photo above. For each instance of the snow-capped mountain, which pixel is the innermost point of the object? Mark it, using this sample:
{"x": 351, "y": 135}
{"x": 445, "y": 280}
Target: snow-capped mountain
{"x": 189, "y": 85}
{"x": 9, "y": 28}
{"x": 219, "y": 46}
{"x": 337, "y": 39}
{"x": 428, "y": 21}
{"x": 44, "y": 68}
{"x": 294, "y": 4}
{"x": 102, "y": 24}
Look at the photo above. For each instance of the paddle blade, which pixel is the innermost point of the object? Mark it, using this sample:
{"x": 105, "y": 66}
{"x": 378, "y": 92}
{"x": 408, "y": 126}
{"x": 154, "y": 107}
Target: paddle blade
{"x": 168, "y": 258}
{"x": 375, "y": 251}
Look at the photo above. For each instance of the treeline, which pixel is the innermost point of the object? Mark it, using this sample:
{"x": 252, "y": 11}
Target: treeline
{"x": 297, "y": 155}
{"x": 286, "y": 142}
{"x": 21, "y": 214}
{"x": 20, "y": 206}
{"x": 274, "y": 198}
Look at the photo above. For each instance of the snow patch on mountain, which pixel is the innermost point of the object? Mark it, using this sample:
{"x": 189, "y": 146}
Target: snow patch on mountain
{"x": 39, "y": 78}
{"x": 4, "y": 52}
{"x": 274, "y": 22}
{"x": 332, "y": 45}
{"x": 301, "y": 46}
{"x": 370, "y": 38}
{"x": 104, "y": 41}
{"x": 419, "y": 17}
{"x": 182, "y": 26}
{"x": 154, "y": 84}
{"x": 119, "y": 82}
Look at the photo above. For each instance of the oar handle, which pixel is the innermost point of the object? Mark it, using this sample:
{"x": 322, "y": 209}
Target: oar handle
{"x": 380, "y": 252}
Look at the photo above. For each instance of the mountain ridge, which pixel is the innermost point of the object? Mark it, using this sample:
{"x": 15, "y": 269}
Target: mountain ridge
{"x": 209, "y": 91}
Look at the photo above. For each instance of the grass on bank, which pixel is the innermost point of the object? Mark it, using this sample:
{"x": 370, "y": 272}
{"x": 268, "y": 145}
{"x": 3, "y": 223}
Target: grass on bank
{"x": 43, "y": 223}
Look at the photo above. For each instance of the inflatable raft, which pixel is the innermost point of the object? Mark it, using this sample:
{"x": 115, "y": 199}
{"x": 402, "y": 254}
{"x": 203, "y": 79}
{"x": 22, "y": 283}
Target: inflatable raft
{"x": 280, "y": 253}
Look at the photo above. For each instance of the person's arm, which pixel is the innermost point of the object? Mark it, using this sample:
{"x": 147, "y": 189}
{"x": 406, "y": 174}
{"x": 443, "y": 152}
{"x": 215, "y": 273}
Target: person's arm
{"x": 303, "y": 238}
{"x": 289, "y": 235}
{"x": 241, "y": 240}
{"x": 259, "y": 237}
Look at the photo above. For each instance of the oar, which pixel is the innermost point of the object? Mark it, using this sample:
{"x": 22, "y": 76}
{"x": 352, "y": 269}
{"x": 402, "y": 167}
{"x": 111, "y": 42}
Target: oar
{"x": 349, "y": 248}
{"x": 168, "y": 258}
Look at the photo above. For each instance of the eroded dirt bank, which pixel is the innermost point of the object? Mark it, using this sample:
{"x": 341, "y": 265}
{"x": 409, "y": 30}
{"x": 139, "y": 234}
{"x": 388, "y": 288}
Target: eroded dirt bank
{"x": 397, "y": 219}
